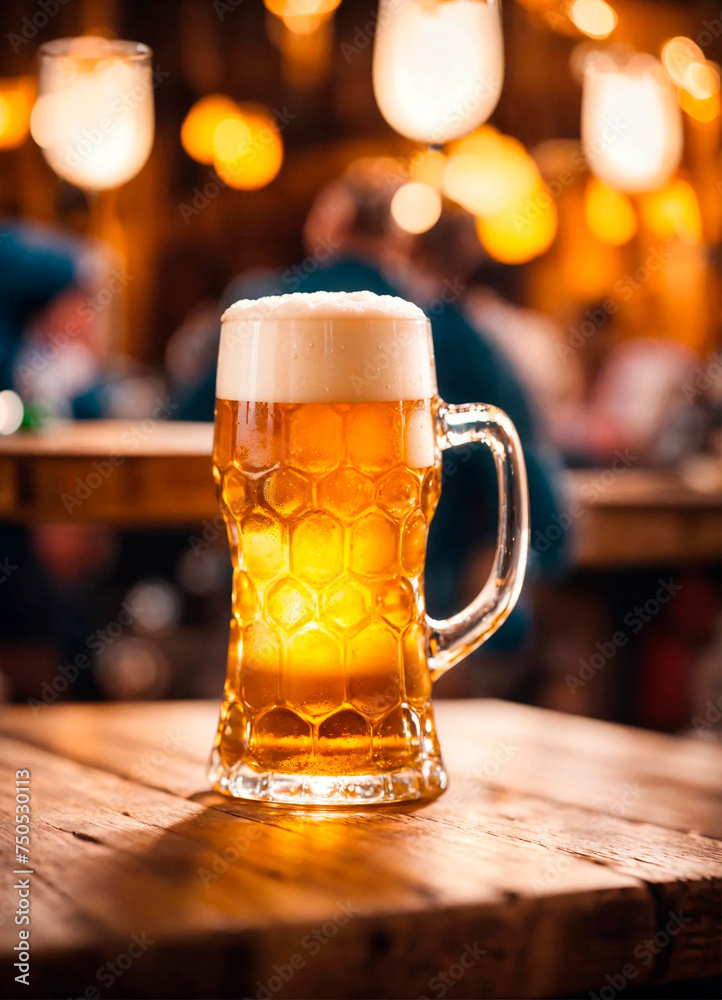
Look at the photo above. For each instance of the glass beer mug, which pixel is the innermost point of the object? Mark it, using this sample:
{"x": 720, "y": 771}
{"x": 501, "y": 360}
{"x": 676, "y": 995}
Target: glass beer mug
{"x": 327, "y": 457}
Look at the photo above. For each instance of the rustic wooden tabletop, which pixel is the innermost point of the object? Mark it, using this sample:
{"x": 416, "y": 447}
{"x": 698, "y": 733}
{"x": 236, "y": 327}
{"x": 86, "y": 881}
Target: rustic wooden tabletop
{"x": 568, "y": 856}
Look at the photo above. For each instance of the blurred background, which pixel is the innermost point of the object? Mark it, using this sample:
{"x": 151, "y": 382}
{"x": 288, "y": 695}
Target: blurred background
{"x": 584, "y": 262}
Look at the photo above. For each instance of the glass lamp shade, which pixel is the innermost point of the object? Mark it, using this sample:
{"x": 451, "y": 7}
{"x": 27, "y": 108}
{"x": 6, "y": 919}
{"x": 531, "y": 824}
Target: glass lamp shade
{"x": 94, "y": 117}
{"x": 438, "y": 66}
{"x": 631, "y": 122}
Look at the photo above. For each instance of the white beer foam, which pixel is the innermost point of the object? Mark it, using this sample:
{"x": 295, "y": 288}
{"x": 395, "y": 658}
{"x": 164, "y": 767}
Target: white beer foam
{"x": 325, "y": 347}
{"x": 324, "y": 305}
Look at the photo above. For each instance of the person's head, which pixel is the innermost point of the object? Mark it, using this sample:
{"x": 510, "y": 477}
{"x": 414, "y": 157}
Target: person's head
{"x": 352, "y": 214}
{"x": 450, "y": 250}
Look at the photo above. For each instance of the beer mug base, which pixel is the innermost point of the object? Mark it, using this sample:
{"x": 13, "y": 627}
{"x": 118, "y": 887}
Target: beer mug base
{"x": 425, "y": 779}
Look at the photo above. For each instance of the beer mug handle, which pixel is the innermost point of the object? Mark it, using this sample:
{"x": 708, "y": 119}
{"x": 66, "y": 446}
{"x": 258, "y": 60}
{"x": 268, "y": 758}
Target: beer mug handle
{"x": 450, "y": 640}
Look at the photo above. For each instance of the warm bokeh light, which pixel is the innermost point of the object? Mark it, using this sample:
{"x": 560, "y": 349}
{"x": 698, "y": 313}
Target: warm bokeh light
{"x": 705, "y": 111}
{"x": 201, "y": 123}
{"x": 248, "y": 151}
{"x": 674, "y": 212}
{"x": 610, "y": 215}
{"x": 301, "y": 8}
{"x": 678, "y": 54}
{"x": 428, "y": 167}
{"x": 701, "y": 80}
{"x": 303, "y": 24}
{"x": 522, "y": 232}
{"x": 16, "y": 101}
{"x": 437, "y": 67}
{"x": 416, "y": 207}
{"x": 231, "y": 138}
{"x": 631, "y": 123}
{"x": 488, "y": 172}
{"x": 593, "y": 17}
{"x": 12, "y": 411}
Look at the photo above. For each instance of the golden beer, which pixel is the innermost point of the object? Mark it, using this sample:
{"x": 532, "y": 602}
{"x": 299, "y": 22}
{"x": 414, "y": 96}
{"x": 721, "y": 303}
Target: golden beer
{"x": 326, "y": 664}
{"x": 327, "y": 500}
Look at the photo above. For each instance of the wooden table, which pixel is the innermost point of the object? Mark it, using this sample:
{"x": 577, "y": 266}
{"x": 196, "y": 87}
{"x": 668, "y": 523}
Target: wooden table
{"x": 562, "y": 847}
{"x": 157, "y": 473}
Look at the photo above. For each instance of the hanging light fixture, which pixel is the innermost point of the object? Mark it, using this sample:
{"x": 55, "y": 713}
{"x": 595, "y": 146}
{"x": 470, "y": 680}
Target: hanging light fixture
{"x": 631, "y": 122}
{"x": 438, "y": 66}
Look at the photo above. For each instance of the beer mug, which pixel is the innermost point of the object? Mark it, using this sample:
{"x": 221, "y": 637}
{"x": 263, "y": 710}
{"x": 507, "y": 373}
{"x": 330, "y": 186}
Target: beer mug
{"x": 327, "y": 457}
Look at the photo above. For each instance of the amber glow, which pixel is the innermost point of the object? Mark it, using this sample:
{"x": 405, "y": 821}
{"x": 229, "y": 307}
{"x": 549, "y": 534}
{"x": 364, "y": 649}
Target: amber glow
{"x": 488, "y": 173}
{"x": 701, "y": 80}
{"x": 16, "y": 101}
{"x": 610, "y": 214}
{"x": 320, "y": 588}
{"x": 594, "y": 18}
{"x": 678, "y": 54}
{"x": 705, "y": 111}
{"x": 301, "y": 8}
{"x": 522, "y": 232}
{"x": 416, "y": 207}
{"x": 674, "y": 212}
{"x": 201, "y": 122}
{"x": 428, "y": 168}
{"x": 247, "y": 149}
{"x": 231, "y": 138}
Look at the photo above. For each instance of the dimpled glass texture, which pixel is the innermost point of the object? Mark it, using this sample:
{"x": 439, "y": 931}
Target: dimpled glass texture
{"x": 327, "y": 697}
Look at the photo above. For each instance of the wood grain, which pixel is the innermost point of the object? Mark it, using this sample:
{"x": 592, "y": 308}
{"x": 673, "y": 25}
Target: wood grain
{"x": 556, "y": 871}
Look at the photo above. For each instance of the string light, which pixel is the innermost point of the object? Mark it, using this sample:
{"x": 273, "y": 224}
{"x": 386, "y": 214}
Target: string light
{"x": 415, "y": 207}
{"x": 248, "y": 151}
{"x": 201, "y": 122}
{"x": 16, "y": 101}
{"x": 488, "y": 172}
{"x": 674, "y": 211}
{"x": 678, "y": 54}
{"x": 610, "y": 214}
{"x": 704, "y": 111}
{"x": 522, "y": 232}
{"x": 12, "y": 411}
{"x": 701, "y": 80}
{"x": 594, "y": 18}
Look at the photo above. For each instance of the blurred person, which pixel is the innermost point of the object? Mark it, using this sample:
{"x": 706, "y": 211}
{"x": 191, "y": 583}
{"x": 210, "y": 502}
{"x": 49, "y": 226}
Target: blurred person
{"x": 638, "y": 403}
{"x": 37, "y": 264}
